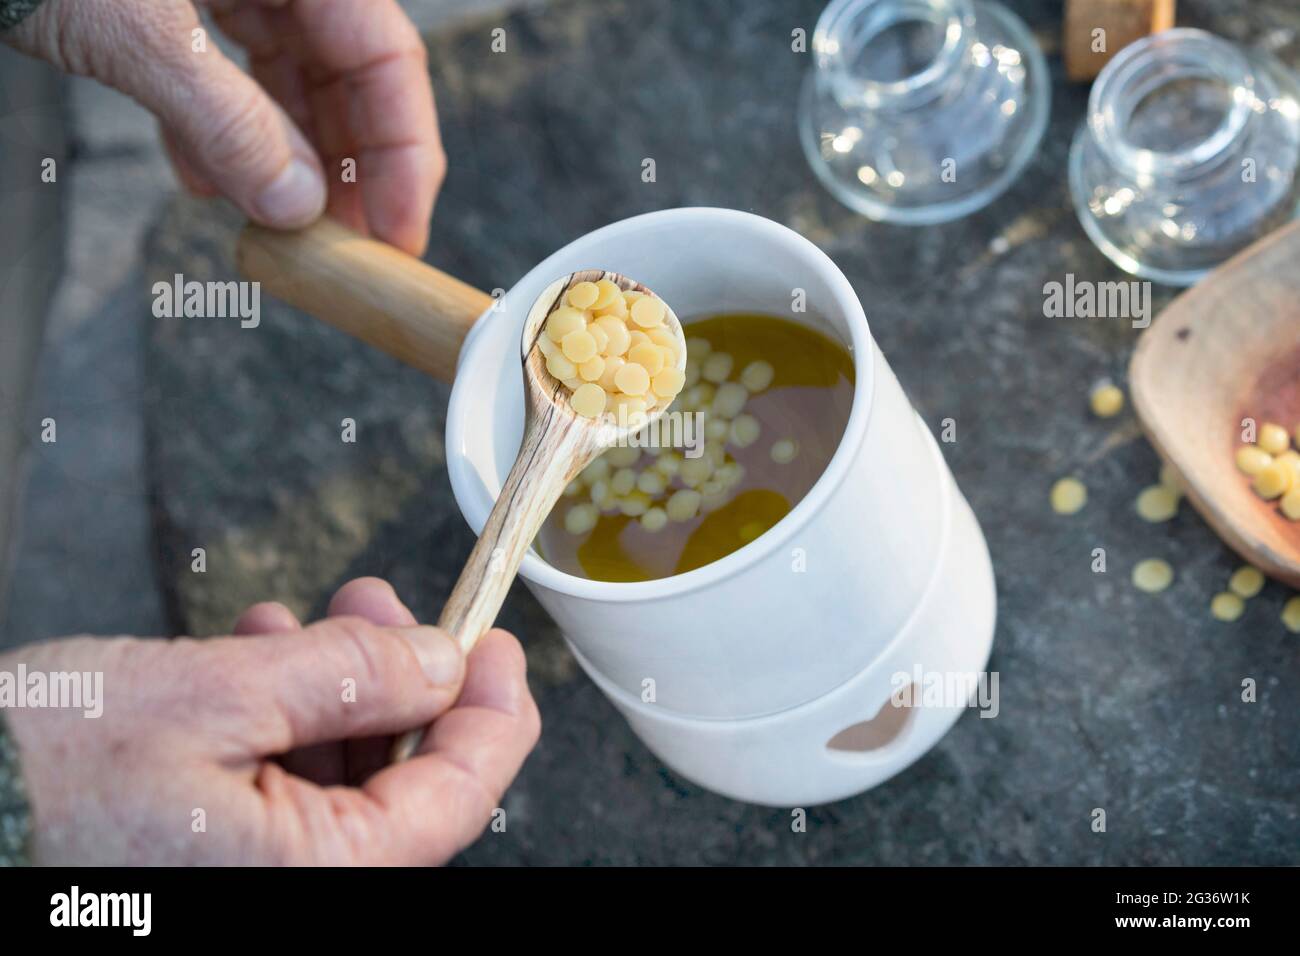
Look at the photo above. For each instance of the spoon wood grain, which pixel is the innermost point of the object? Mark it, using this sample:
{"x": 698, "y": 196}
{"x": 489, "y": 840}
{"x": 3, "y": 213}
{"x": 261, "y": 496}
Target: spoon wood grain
{"x": 1225, "y": 350}
{"x": 557, "y": 444}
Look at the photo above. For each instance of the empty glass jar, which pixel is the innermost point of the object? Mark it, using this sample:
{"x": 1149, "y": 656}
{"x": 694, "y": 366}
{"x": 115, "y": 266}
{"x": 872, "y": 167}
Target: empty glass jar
{"x": 1188, "y": 154}
{"x": 921, "y": 111}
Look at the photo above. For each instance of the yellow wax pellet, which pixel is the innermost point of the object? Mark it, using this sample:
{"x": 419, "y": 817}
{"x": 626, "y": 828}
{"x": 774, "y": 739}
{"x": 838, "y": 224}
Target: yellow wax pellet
{"x": 1252, "y": 460}
{"x": 578, "y": 346}
{"x": 597, "y": 470}
{"x": 606, "y": 293}
{"x": 1291, "y": 615}
{"x": 580, "y": 518}
{"x": 1246, "y": 582}
{"x": 1106, "y": 401}
{"x": 601, "y": 337}
{"x": 1290, "y": 504}
{"x": 1068, "y": 496}
{"x": 1291, "y": 458}
{"x": 683, "y": 504}
{"x": 1273, "y": 438}
{"x": 588, "y": 400}
{"x": 1274, "y": 481}
{"x": 573, "y": 489}
{"x": 600, "y": 493}
{"x": 730, "y": 473}
{"x": 668, "y": 464}
{"x": 655, "y": 519}
{"x": 1157, "y": 503}
{"x": 547, "y": 345}
{"x": 616, "y": 309}
{"x": 559, "y": 366}
{"x": 663, "y": 338}
{"x": 696, "y": 471}
{"x": 717, "y": 429}
{"x": 712, "y": 488}
{"x": 757, "y": 376}
{"x": 716, "y": 366}
{"x": 648, "y": 355}
{"x": 715, "y": 451}
{"x": 612, "y": 364}
{"x": 730, "y": 399}
{"x": 668, "y": 382}
{"x": 563, "y": 321}
{"x": 622, "y": 456}
{"x": 648, "y": 311}
{"x": 692, "y": 374}
{"x": 1152, "y": 575}
{"x": 638, "y": 338}
{"x": 744, "y": 431}
{"x": 784, "y": 451}
{"x": 632, "y": 379}
{"x": 697, "y": 348}
{"x": 592, "y": 369}
{"x": 630, "y": 411}
{"x": 651, "y": 482}
{"x": 623, "y": 482}
{"x": 572, "y": 384}
{"x": 584, "y": 295}
{"x": 616, "y": 333}
{"x": 1226, "y": 606}
{"x": 637, "y": 503}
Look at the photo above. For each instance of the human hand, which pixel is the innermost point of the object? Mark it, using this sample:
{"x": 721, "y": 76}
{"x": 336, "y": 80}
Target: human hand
{"x": 331, "y": 80}
{"x": 254, "y": 735}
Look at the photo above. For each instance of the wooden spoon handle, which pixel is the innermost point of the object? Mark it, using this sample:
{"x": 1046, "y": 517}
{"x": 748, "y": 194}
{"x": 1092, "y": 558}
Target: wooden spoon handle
{"x": 555, "y": 448}
{"x": 367, "y": 289}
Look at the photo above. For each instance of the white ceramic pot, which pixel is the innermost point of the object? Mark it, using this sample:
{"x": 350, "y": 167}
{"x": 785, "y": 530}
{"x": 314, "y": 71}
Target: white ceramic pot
{"x": 755, "y": 661}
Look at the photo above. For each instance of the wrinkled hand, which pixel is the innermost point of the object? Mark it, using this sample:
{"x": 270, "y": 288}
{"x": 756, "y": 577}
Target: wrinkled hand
{"x": 276, "y": 739}
{"x": 332, "y": 80}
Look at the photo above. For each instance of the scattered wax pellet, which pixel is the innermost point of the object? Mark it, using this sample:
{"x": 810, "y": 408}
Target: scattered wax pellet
{"x": 623, "y": 482}
{"x": 1291, "y": 615}
{"x": 584, "y": 295}
{"x": 606, "y": 294}
{"x": 668, "y": 382}
{"x": 730, "y": 399}
{"x": 1157, "y": 503}
{"x": 1252, "y": 460}
{"x": 668, "y": 464}
{"x": 1246, "y": 582}
{"x": 622, "y": 456}
{"x": 696, "y": 349}
{"x": 730, "y": 473}
{"x": 717, "y": 429}
{"x": 648, "y": 355}
{"x": 635, "y": 504}
{"x": 637, "y": 338}
{"x": 632, "y": 379}
{"x": 572, "y": 384}
{"x": 560, "y": 366}
{"x": 573, "y": 489}
{"x": 655, "y": 519}
{"x": 1291, "y": 457}
{"x": 757, "y": 376}
{"x": 578, "y": 346}
{"x": 547, "y": 345}
{"x": 601, "y": 337}
{"x": 617, "y": 308}
{"x": 648, "y": 312}
{"x": 715, "y": 451}
{"x": 744, "y": 431}
{"x": 1106, "y": 401}
{"x": 695, "y": 471}
{"x": 1226, "y": 606}
{"x": 692, "y": 374}
{"x": 1274, "y": 481}
{"x": 664, "y": 339}
{"x": 1068, "y": 496}
{"x": 580, "y": 518}
{"x": 630, "y": 411}
{"x": 612, "y": 364}
{"x": 563, "y": 321}
{"x": 588, "y": 400}
{"x": 1273, "y": 438}
{"x": 600, "y": 492}
{"x": 592, "y": 369}
{"x": 712, "y": 488}
{"x": 1291, "y": 504}
{"x": 617, "y": 335}
{"x": 683, "y": 505}
{"x": 716, "y": 367}
{"x": 651, "y": 482}
{"x": 597, "y": 470}
{"x": 784, "y": 451}
{"x": 1152, "y": 575}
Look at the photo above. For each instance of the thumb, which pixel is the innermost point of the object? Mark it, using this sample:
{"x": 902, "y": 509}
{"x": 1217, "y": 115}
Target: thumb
{"x": 226, "y": 127}
{"x": 337, "y": 679}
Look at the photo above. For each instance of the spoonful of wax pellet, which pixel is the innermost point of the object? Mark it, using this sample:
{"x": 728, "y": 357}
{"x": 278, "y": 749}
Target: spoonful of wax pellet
{"x": 603, "y": 357}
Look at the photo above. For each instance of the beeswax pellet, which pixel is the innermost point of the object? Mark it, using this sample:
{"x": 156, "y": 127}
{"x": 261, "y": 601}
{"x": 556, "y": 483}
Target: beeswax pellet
{"x": 1290, "y": 504}
{"x": 683, "y": 505}
{"x": 600, "y": 493}
{"x": 668, "y": 464}
{"x": 617, "y": 308}
{"x": 696, "y": 349}
{"x": 1291, "y": 615}
{"x": 695, "y": 471}
{"x": 564, "y": 320}
{"x": 1246, "y": 582}
{"x": 784, "y": 451}
{"x": 601, "y": 337}
{"x": 622, "y": 456}
{"x": 606, "y": 294}
{"x": 584, "y": 295}
{"x": 1252, "y": 460}
{"x": 635, "y": 504}
{"x": 1068, "y": 496}
{"x": 664, "y": 339}
{"x": 1274, "y": 481}
{"x": 730, "y": 399}
{"x": 1106, "y": 401}
{"x": 547, "y": 345}
{"x": 1226, "y": 606}
{"x": 648, "y": 355}
{"x": 716, "y": 367}
{"x": 629, "y": 411}
{"x": 757, "y": 376}
{"x": 617, "y": 333}
{"x": 573, "y": 489}
{"x": 632, "y": 379}
{"x": 580, "y": 518}
{"x": 668, "y": 382}
{"x": 651, "y": 482}
{"x": 578, "y": 346}
{"x": 1157, "y": 503}
{"x": 560, "y": 366}
{"x": 623, "y": 482}
{"x": 717, "y": 429}
{"x": 1273, "y": 438}
{"x": 647, "y": 312}
{"x": 588, "y": 400}
{"x": 1152, "y": 575}
{"x": 592, "y": 369}
{"x": 744, "y": 431}
{"x": 597, "y": 470}
{"x": 655, "y": 519}
{"x": 612, "y": 364}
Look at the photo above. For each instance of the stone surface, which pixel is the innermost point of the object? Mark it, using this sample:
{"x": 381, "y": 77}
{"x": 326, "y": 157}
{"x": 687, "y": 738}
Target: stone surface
{"x": 1109, "y": 698}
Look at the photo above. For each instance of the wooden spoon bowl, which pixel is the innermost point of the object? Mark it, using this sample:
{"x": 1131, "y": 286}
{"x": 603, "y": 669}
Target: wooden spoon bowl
{"x": 1226, "y": 350}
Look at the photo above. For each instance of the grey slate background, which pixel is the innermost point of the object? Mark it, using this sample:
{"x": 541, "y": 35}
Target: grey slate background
{"x": 1109, "y": 698}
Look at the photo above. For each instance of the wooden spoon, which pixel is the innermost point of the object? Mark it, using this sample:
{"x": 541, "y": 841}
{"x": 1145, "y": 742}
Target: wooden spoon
{"x": 1225, "y": 350}
{"x": 557, "y": 444}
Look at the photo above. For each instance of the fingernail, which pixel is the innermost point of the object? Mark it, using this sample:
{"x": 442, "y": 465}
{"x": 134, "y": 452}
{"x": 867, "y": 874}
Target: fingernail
{"x": 438, "y": 654}
{"x": 294, "y": 198}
